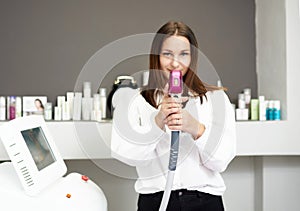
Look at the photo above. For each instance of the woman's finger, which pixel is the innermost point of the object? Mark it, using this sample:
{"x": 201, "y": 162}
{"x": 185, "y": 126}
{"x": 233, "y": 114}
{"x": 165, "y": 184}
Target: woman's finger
{"x": 166, "y": 90}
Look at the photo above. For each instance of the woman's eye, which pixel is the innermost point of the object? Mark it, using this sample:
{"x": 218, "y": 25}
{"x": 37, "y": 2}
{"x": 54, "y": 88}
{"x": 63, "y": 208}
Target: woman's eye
{"x": 185, "y": 54}
{"x": 166, "y": 54}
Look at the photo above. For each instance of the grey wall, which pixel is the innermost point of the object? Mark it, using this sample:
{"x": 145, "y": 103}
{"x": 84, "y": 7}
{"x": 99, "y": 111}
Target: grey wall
{"x": 271, "y": 51}
{"x": 45, "y": 44}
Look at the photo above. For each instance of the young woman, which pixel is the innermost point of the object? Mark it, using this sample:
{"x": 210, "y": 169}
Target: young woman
{"x": 207, "y": 141}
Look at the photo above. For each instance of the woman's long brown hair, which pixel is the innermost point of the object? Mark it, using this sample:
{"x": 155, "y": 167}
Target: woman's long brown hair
{"x": 157, "y": 80}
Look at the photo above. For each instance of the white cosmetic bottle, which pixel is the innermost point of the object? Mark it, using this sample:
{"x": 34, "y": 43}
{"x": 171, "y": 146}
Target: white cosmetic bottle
{"x": 87, "y": 101}
{"x": 70, "y": 102}
{"x": 18, "y": 107}
{"x": 262, "y": 108}
{"x": 77, "y": 106}
{"x": 86, "y": 108}
{"x": 87, "y": 89}
{"x": 96, "y": 114}
{"x": 103, "y": 100}
{"x": 48, "y": 111}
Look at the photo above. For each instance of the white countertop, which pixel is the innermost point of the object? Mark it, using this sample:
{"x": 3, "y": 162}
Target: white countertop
{"x": 84, "y": 140}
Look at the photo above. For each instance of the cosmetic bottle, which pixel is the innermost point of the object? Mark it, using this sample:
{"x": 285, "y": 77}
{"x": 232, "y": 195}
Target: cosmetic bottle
{"x": 96, "y": 113}
{"x": 12, "y": 107}
{"x": 103, "y": 102}
{"x": 77, "y": 106}
{"x": 70, "y": 101}
{"x": 241, "y": 113}
{"x": 254, "y": 109}
{"x": 2, "y": 108}
{"x": 241, "y": 101}
{"x": 86, "y": 108}
{"x": 270, "y": 110}
{"x": 262, "y": 108}
{"x": 87, "y": 89}
{"x": 57, "y": 113}
{"x": 247, "y": 93}
{"x": 66, "y": 111}
{"x": 87, "y": 101}
{"x": 276, "y": 110}
{"x": 18, "y": 107}
{"x": 7, "y": 107}
{"x": 60, "y": 101}
{"x": 267, "y": 109}
{"x": 48, "y": 111}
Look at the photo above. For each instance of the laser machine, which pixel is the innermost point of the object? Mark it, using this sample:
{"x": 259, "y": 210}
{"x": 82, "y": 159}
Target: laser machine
{"x": 33, "y": 180}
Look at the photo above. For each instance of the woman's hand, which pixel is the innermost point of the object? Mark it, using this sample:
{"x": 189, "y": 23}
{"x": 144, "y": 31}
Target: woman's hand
{"x": 167, "y": 108}
{"x": 184, "y": 121}
{"x": 176, "y": 118}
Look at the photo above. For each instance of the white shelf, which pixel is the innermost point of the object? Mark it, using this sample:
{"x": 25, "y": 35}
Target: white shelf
{"x": 91, "y": 140}
{"x": 266, "y": 138}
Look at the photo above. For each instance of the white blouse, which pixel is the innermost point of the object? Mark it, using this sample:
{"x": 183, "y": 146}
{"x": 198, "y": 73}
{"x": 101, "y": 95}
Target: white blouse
{"x": 138, "y": 141}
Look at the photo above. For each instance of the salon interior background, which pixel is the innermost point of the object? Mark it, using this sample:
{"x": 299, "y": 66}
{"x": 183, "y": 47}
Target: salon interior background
{"x": 45, "y": 44}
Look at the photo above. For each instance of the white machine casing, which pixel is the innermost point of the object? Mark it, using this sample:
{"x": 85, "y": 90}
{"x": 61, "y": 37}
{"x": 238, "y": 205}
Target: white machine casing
{"x": 32, "y": 177}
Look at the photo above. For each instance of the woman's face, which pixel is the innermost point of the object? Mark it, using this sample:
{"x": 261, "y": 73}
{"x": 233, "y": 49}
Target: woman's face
{"x": 37, "y": 103}
{"x": 175, "y": 55}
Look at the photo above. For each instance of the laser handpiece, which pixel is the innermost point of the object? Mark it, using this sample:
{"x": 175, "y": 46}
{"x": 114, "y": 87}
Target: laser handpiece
{"x": 175, "y": 91}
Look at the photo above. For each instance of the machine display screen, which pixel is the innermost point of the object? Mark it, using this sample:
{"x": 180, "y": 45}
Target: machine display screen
{"x": 38, "y": 146}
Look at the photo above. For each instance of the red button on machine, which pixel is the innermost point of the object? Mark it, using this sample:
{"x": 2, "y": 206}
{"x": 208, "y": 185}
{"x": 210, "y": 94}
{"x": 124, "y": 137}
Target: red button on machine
{"x": 85, "y": 178}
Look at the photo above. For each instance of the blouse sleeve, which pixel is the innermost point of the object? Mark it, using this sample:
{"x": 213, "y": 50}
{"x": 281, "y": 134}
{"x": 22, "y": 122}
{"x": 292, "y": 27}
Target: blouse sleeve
{"x": 135, "y": 136}
{"x": 217, "y": 146}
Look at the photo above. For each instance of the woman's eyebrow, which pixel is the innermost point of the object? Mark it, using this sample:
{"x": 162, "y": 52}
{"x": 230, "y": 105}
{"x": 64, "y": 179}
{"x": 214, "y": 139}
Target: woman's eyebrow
{"x": 172, "y": 51}
{"x": 166, "y": 50}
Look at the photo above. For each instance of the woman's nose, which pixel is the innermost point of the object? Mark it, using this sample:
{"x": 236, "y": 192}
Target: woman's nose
{"x": 174, "y": 63}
